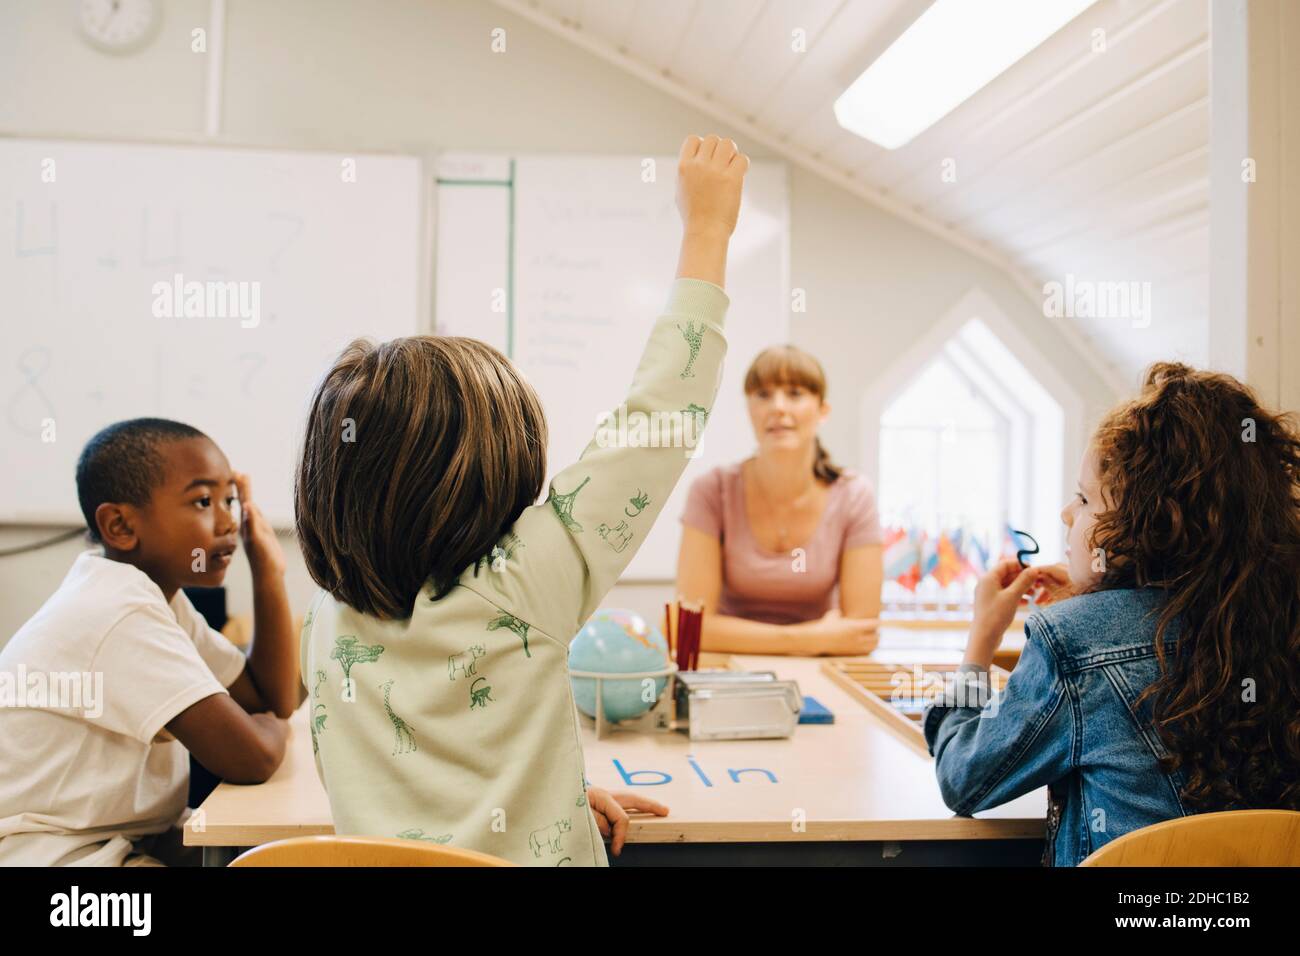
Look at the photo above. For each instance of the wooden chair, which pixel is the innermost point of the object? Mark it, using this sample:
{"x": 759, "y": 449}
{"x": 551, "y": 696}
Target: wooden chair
{"x": 361, "y": 851}
{"x": 1231, "y": 838}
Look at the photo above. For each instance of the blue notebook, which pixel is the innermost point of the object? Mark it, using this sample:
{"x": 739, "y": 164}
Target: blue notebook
{"x": 814, "y": 713}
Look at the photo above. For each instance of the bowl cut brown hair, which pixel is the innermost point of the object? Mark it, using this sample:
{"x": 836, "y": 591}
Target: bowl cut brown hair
{"x": 419, "y": 454}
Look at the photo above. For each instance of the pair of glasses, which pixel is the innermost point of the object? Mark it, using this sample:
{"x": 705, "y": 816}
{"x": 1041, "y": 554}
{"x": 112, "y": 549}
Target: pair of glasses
{"x": 1020, "y": 554}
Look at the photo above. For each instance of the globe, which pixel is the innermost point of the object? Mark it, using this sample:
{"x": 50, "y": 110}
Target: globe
{"x": 617, "y": 642}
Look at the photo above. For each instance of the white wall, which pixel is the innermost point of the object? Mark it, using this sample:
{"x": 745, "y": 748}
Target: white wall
{"x": 419, "y": 76}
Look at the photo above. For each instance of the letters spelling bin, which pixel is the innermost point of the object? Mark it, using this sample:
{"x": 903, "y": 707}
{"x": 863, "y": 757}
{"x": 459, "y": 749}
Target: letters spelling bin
{"x": 737, "y": 705}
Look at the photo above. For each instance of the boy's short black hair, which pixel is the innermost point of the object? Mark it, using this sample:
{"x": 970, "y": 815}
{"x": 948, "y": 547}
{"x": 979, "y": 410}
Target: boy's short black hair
{"x": 122, "y": 463}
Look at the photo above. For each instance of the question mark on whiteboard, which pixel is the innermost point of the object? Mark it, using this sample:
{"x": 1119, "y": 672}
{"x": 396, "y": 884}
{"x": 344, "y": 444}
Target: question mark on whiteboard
{"x": 252, "y": 362}
{"x": 295, "y": 228}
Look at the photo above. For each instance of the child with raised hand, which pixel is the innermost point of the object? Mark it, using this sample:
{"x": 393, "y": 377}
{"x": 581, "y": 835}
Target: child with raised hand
{"x": 100, "y": 778}
{"x": 437, "y": 653}
{"x": 1170, "y": 683}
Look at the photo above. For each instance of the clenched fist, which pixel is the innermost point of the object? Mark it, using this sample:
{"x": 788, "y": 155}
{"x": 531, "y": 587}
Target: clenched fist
{"x": 710, "y": 174}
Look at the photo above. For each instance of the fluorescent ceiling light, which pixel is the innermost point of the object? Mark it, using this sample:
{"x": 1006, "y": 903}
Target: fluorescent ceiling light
{"x": 945, "y": 57}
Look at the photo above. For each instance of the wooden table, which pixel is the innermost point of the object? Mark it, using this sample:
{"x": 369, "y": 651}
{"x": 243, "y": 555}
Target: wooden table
{"x": 848, "y": 792}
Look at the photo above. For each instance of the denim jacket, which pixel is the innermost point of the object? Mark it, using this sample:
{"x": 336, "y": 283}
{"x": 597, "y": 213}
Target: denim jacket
{"x": 1068, "y": 718}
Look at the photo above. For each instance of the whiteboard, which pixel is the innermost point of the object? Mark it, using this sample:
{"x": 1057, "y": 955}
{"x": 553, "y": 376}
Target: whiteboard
{"x": 562, "y": 261}
{"x": 322, "y": 247}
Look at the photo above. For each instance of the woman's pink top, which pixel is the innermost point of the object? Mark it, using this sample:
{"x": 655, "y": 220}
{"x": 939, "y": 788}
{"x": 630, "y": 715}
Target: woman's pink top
{"x": 781, "y": 587}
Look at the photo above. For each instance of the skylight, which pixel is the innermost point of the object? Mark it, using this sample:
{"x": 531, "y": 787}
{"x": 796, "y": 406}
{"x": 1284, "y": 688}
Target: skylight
{"x": 946, "y": 56}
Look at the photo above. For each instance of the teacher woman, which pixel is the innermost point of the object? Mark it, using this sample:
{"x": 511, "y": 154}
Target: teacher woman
{"x": 768, "y": 542}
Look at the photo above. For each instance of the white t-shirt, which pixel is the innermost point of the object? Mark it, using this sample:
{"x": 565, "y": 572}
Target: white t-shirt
{"x": 86, "y": 689}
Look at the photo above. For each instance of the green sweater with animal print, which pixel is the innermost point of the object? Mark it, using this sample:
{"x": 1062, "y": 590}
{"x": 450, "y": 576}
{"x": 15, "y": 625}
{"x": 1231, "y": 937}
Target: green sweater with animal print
{"x": 457, "y": 725}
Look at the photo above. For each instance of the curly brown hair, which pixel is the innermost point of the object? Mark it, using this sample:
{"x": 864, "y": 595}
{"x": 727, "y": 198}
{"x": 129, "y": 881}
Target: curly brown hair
{"x": 1202, "y": 491}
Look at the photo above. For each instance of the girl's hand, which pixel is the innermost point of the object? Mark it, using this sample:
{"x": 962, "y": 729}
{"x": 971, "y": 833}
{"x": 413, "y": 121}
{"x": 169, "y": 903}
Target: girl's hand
{"x": 710, "y": 173}
{"x": 610, "y": 811}
{"x": 1053, "y": 585}
{"x": 998, "y": 595}
{"x": 833, "y": 633}
{"x": 265, "y": 556}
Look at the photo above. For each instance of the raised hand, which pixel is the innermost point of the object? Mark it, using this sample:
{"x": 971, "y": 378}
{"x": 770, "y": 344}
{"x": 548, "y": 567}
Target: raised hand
{"x": 710, "y": 175}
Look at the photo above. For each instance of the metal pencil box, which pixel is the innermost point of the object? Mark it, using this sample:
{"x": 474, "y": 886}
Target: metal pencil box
{"x": 737, "y": 705}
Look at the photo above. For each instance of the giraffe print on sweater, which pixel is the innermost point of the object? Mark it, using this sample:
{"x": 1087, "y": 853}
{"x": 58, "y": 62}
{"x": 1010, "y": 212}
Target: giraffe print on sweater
{"x": 405, "y": 742}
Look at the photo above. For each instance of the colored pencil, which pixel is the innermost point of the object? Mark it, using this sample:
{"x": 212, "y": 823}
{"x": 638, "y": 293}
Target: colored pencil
{"x": 668, "y": 629}
{"x": 696, "y": 637}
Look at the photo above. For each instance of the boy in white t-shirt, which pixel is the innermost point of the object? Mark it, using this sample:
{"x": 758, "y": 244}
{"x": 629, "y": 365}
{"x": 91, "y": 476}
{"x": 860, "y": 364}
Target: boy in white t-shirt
{"x": 109, "y": 684}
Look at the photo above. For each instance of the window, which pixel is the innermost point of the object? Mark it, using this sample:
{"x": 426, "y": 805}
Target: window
{"x": 970, "y": 446}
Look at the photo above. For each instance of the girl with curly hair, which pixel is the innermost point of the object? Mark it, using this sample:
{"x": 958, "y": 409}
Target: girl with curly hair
{"x": 1163, "y": 678}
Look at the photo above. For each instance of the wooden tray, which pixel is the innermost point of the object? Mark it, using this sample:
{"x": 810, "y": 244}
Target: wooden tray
{"x": 895, "y": 693}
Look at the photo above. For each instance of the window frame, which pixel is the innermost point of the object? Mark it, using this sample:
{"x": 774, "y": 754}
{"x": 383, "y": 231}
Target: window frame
{"x": 1054, "y": 436}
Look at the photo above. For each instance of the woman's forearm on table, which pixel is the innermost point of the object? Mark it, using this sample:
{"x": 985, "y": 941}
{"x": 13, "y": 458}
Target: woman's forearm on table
{"x": 736, "y": 635}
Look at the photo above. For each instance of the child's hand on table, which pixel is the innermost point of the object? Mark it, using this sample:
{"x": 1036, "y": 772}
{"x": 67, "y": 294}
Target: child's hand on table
{"x": 265, "y": 556}
{"x": 610, "y": 810}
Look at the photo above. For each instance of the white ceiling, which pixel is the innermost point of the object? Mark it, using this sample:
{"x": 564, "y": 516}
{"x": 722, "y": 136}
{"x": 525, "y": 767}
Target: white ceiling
{"x": 1073, "y": 161}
